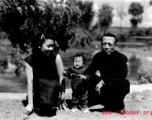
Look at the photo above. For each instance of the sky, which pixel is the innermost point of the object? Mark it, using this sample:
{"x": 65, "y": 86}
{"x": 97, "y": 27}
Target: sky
{"x": 117, "y": 4}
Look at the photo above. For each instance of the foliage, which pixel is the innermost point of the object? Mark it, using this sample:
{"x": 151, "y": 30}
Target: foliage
{"x": 141, "y": 71}
{"x": 122, "y": 37}
{"x": 105, "y": 17}
{"x": 148, "y": 31}
{"x": 134, "y": 64}
{"x": 83, "y": 33}
{"x": 135, "y": 21}
{"x": 3, "y": 35}
{"x": 150, "y": 2}
{"x": 137, "y": 32}
{"x": 25, "y": 21}
{"x": 83, "y": 37}
{"x": 145, "y": 74}
{"x": 87, "y": 13}
{"x": 121, "y": 15}
{"x": 136, "y": 10}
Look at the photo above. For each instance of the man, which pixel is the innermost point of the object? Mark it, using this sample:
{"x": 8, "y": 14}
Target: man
{"x": 107, "y": 76}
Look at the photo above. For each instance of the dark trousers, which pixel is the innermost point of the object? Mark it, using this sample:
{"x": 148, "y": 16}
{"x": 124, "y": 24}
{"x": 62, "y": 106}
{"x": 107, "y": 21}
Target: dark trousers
{"x": 112, "y": 95}
{"x": 80, "y": 95}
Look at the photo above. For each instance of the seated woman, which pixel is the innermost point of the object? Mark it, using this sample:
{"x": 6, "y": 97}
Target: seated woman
{"x": 44, "y": 71}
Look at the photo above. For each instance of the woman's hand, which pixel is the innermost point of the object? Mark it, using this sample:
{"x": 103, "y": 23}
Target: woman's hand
{"x": 28, "y": 109}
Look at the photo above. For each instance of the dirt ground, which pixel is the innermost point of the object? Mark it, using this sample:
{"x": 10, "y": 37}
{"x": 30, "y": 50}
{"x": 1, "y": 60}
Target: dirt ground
{"x": 138, "y": 107}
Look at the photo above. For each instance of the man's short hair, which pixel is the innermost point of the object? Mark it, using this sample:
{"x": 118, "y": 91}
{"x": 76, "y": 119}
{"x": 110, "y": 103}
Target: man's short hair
{"x": 109, "y": 35}
{"x": 80, "y": 55}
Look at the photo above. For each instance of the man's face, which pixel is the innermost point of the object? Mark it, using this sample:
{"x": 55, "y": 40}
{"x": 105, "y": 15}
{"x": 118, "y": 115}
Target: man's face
{"x": 108, "y": 44}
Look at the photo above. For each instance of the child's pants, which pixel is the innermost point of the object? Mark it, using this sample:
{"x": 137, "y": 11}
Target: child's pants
{"x": 79, "y": 96}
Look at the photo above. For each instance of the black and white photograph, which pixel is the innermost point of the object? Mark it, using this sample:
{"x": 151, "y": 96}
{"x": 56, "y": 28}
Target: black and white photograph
{"x": 75, "y": 59}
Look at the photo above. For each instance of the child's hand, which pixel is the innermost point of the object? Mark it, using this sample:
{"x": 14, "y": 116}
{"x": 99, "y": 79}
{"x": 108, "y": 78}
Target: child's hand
{"x": 62, "y": 96}
{"x": 64, "y": 73}
{"x": 83, "y": 77}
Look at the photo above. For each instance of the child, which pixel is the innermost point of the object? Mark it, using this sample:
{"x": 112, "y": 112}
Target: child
{"x": 78, "y": 83}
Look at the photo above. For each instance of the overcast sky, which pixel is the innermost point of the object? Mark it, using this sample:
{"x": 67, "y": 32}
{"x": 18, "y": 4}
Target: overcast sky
{"x": 116, "y": 4}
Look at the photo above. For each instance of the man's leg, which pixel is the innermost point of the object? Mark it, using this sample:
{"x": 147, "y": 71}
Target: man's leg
{"x": 112, "y": 96}
{"x": 93, "y": 98}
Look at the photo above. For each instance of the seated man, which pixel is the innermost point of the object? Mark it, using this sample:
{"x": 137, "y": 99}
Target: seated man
{"x": 110, "y": 87}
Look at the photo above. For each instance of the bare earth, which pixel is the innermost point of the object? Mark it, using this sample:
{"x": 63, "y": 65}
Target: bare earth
{"x": 138, "y": 107}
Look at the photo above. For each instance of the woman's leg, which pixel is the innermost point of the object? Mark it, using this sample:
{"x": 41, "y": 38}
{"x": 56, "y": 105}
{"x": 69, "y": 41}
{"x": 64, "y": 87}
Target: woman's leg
{"x": 49, "y": 95}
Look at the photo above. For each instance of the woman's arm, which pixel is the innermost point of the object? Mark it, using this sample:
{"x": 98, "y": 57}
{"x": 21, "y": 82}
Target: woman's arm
{"x": 29, "y": 75}
{"x": 60, "y": 68}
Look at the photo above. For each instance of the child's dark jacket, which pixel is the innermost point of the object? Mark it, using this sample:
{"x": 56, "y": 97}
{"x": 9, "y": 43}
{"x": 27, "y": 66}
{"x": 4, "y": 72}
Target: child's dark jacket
{"x": 76, "y": 81}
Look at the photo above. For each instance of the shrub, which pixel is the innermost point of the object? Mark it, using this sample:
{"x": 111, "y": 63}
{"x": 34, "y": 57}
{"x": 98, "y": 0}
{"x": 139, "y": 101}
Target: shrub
{"x": 134, "y": 65}
{"x": 122, "y": 37}
{"x": 145, "y": 74}
{"x": 25, "y": 21}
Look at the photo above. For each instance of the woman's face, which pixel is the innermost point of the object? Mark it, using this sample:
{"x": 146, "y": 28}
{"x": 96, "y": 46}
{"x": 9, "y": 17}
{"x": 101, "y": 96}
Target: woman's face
{"x": 47, "y": 46}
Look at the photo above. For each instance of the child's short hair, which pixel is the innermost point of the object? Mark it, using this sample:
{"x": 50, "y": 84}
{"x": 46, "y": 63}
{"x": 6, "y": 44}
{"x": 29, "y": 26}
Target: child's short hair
{"x": 80, "y": 55}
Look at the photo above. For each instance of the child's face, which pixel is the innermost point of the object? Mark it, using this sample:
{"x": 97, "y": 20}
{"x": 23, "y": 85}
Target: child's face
{"x": 78, "y": 62}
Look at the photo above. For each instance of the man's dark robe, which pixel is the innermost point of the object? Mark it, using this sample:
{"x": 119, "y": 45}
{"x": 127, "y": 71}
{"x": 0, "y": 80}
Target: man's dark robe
{"x": 113, "y": 71}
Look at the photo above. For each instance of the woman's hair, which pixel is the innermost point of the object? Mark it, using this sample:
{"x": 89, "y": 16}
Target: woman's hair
{"x": 38, "y": 43}
{"x": 80, "y": 55}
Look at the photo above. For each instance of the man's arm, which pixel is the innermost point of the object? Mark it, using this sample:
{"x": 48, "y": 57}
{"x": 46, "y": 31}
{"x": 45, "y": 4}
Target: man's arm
{"x": 92, "y": 68}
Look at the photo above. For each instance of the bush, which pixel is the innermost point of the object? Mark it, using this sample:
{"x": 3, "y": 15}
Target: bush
{"x": 137, "y": 32}
{"x": 134, "y": 65}
{"x": 145, "y": 74}
{"x": 25, "y": 21}
{"x": 122, "y": 37}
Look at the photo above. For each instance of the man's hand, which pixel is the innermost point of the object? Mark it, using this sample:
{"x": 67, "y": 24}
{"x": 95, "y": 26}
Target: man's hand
{"x": 83, "y": 77}
{"x": 98, "y": 86}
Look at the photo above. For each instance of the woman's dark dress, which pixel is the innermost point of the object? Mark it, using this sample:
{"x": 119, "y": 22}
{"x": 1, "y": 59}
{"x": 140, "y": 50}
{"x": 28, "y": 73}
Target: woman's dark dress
{"x": 46, "y": 81}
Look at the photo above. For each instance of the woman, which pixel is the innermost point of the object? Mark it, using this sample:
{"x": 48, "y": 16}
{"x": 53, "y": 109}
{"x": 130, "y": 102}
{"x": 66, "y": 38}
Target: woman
{"x": 44, "y": 71}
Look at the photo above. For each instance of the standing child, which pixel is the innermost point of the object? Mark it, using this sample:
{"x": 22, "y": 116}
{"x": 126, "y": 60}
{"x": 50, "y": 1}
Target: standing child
{"x": 78, "y": 83}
